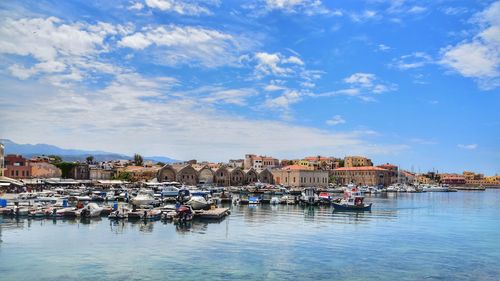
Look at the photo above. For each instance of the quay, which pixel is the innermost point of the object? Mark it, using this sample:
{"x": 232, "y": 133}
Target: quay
{"x": 215, "y": 213}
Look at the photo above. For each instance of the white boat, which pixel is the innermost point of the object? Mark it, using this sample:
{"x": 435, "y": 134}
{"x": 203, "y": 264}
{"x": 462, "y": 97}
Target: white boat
{"x": 274, "y": 201}
{"x": 309, "y": 197}
{"x": 352, "y": 201}
{"x": 91, "y": 210}
{"x": 198, "y": 202}
{"x": 169, "y": 191}
{"x": 110, "y": 196}
{"x": 144, "y": 197}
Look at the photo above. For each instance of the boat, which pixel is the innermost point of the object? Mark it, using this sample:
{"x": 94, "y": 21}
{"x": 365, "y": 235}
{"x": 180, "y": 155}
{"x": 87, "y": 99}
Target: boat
{"x": 169, "y": 191}
{"x": 309, "y": 197}
{"x": 110, "y": 196}
{"x": 274, "y": 201}
{"x": 254, "y": 200}
{"x": 198, "y": 202}
{"x": 144, "y": 197}
{"x": 325, "y": 198}
{"x": 119, "y": 214}
{"x": 153, "y": 214}
{"x": 352, "y": 201}
{"x": 91, "y": 210}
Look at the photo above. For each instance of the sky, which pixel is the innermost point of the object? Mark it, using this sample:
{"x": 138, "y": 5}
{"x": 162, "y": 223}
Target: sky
{"x": 414, "y": 83}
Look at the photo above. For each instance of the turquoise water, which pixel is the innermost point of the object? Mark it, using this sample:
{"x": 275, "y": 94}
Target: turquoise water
{"x": 426, "y": 236}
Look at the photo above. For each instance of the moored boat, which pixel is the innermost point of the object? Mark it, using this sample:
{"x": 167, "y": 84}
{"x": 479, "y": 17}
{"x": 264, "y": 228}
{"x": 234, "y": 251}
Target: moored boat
{"x": 352, "y": 201}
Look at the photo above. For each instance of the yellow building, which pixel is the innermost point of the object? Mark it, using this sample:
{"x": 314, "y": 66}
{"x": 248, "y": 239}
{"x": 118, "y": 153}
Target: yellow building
{"x": 357, "y": 161}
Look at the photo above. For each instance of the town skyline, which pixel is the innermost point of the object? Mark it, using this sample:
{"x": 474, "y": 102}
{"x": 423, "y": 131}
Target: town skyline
{"x": 406, "y": 82}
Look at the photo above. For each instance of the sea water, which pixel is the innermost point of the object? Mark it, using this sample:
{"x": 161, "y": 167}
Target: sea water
{"x": 421, "y": 236}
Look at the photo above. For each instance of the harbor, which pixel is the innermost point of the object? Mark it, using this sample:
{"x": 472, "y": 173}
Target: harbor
{"x": 419, "y": 234}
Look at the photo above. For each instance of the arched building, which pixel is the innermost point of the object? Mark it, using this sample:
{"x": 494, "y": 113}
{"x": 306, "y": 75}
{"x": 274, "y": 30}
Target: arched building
{"x": 205, "y": 174}
{"x": 166, "y": 173}
{"x": 237, "y": 176}
{"x": 265, "y": 176}
{"x": 186, "y": 174}
{"x": 251, "y": 176}
{"x": 222, "y": 176}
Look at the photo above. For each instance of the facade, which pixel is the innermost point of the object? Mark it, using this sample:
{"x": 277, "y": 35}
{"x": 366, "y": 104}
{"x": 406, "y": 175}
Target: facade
{"x": 80, "y": 172}
{"x": 251, "y": 176}
{"x": 298, "y": 176}
{"x": 166, "y": 173}
{"x": 236, "y": 163}
{"x": 2, "y": 159}
{"x": 357, "y": 161}
{"x": 97, "y": 173}
{"x": 16, "y": 167}
{"x": 237, "y": 176}
{"x": 44, "y": 170}
{"x": 186, "y": 174}
{"x": 222, "y": 176}
{"x": 265, "y": 176}
{"x": 205, "y": 174}
{"x": 367, "y": 175}
{"x": 322, "y": 162}
{"x": 260, "y": 162}
{"x": 139, "y": 173}
{"x": 452, "y": 179}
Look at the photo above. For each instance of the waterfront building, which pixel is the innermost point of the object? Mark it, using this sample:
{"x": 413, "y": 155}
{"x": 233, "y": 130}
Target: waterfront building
{"x": 205, "y": 174}
{"x": 322, "y": 162}
{"x": 265, "y": 176}
{"x": 222, "y": 176}
{"x": 139, "y": 173}
{"x": 166, "y": 174}
{"x": 237, "y": 176}
{"x": 260, "y": 162}
{"x": 236, "y": 163}
{"x": 80, "y": 172}
{"x": 452, "y": 179}
{"x": 100, "y": 173}
{"x": 2, "y": 159}
{"x": 16, "y": 167}
{"x": 251, "y": 176}
{"x": 357, "y": 161}
{"x": 394, "y": 173}
{"x": 367, "y": 175}
{"x": 300, "y": 176}
{"x": 186, "y": 174}
{"x": 44, "y": 170}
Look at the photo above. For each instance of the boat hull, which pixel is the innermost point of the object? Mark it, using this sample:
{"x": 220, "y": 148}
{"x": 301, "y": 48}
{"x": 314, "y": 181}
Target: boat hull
{"x": 344, "y": 207}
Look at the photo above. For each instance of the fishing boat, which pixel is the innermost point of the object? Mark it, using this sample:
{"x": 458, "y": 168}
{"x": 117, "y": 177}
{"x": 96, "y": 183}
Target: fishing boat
{"x": 198, "y": 202}
{"x": 254, "y": 200}
{"x": 91, "y": 210}
{"x": 309, "y": 197}
{"x": 325, "y": 198}
{"x": 169, "y": 191}
{"x": 352, "y": 201}
{"x": 144, "y": 197}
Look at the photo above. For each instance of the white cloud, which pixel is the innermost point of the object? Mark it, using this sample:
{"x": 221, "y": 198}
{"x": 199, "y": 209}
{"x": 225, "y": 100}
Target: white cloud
{"x": 177, "y": 45}
{"x": 336, "y": 120}
{"x": 284, "y": 101}
{"x": 363, "y": 79}
{"x": 307, "y": 7}
{"x": 361, "y": 85}
{"x": 136, "y": 6}
{"x": 467, "y": 146}
{"x": 63, "y": 50}
{"x": 146, "y": 115}
{"x": 383, "y": 47}
{"x": 414, "y": 60}
{"x": 182, "y": 7}
{"x": 417, "y": 10}
{"x": 364, "y": 16}
{"x": 275, "y": 64}
{"x": 479, "y": 57}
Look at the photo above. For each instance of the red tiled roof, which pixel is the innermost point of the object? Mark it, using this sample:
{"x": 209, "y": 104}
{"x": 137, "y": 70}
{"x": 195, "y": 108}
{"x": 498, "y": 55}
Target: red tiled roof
{"x": 363, "y": 168}
{"x": 296, "y": 167}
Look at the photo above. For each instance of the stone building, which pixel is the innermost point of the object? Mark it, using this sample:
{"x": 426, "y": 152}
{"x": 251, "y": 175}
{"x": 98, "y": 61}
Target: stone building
{"x": 16, "y": 167}
{"x": 205, "y": 174}
{"x": 322, "y": 162}
{"x": 186, "y": 174}
{"x": 98, "y": 173}
{"x": 139, "y": 173}
{"x": 222, "y": 176}
{"x": 44, "y": 170}
{"x": 299, "y": 176}
{"x": 357, "y": 161}
{"x": 166, "y": 173}
{"x": 251, "y": 176}
{"x": 80, "y": 172}
{"x": 265, "y": 176}
{"x": 260, "y": 162}
{"x": 367, "y": 175}
{"x": 237, "y": 176}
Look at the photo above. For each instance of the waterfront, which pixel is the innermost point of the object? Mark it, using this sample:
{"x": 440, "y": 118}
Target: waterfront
{"x": 422, "y": 236}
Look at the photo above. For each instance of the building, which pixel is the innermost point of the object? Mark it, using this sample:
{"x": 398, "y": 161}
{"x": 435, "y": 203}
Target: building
{"x": 396, "y": 176}
{"x": 80, "y": 172}
{"x": 251, "y": 176}
{"x": 16, "y": 167}
{"x": 452, "y": 179}
{"x": 321, "y": 162}
{"x": 367, "y": 175}
{"x": 2, "y": 159}
{"x": 266, "y": 176}
{"x": 186, "y": 174}
{"x": 237, "y": 176}
{"x": 139, "y": 173}
{"x": 205, "y": 174}
{"x": 236, "y": 163}
{"x": 222, "y": 176}
{"x": 357, "y": 161}
{"x": 44, "y": 170}
{"x": 299, "y": 176}
{"x": 99, "y": 173}
{"x": 260, "y": 162}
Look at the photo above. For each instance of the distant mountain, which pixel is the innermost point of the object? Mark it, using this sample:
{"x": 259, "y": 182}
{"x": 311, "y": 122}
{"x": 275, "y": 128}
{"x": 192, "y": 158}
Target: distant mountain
{"x": 30, "y": 150}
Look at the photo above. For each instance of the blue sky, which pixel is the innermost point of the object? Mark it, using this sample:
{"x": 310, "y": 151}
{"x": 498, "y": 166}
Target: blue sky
{"x": 415, "y": 83}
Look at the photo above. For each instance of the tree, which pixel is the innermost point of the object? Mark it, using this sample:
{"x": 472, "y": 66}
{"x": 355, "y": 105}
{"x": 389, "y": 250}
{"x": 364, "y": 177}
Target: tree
{"x": 160, "y": 163}
{"x": 332, "y": 179}
{"x": 90, "y": 159}
{"x": 138, "y": 160}
{"x": 66, "y": 168}
{"x": 55, "y": 158}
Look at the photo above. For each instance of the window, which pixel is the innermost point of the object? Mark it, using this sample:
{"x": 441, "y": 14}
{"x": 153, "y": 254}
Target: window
{"x": 293, "y": 179}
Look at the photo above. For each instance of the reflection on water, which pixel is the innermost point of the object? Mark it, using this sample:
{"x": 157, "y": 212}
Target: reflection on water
{"x": 418, "y": 236}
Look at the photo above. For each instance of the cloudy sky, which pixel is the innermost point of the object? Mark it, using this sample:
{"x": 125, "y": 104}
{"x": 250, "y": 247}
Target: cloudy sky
{"x": 415, "y": 83}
